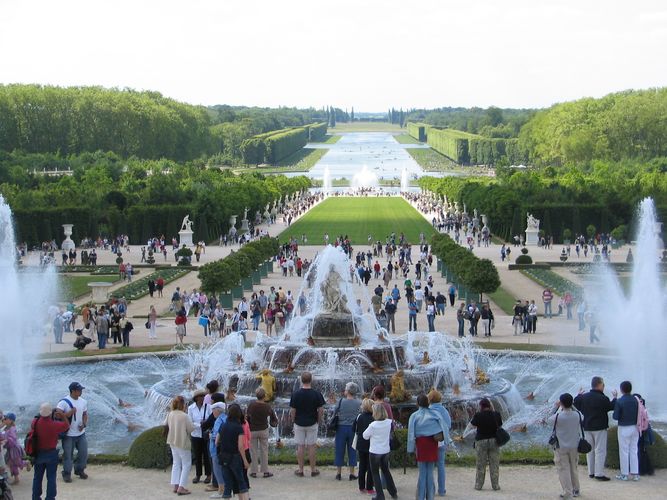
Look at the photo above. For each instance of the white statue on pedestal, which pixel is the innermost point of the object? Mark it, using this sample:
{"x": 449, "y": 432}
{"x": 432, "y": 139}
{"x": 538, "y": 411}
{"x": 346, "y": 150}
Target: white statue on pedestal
{"x": 185, "y": 234}
{"x": 532, "y": 229}
{"x": 186, "y": 225}
{"x": 532, "y": 222}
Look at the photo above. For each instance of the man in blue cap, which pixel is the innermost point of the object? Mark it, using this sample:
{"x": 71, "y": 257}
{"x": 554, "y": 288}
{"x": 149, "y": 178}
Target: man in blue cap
{"x": 75, "y": 409}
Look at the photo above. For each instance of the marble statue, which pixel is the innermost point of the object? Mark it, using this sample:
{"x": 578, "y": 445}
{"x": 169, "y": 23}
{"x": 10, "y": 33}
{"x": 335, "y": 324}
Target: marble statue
{"x": 333, "y": 300}
{"x": 532, "y": 222}
{"x": 186, "y": 225}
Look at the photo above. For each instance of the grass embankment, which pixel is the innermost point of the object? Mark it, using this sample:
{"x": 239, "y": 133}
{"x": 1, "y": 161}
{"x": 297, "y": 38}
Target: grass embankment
{"x": 366, "y": 127}
{"x": 359, "y": 217}
{"x": 503, "y": 299}
{"x": 301, "y": 161}
{"x": 432, "y": 161}
{"x": 72, "y": 287}
{"x": 92, "y": 350}
{"x": 329, "y": 139}
{"x": 406, "y": 139}
{"x": 569, "y": 349}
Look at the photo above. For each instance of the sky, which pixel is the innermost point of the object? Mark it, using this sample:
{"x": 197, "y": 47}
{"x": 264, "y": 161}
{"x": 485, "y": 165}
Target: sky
{"x": 366, "y": 54}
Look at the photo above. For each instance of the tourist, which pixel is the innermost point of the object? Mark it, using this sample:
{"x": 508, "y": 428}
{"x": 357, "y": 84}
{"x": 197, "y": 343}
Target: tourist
{"x": 306, "y": 411}
{"x": 152, "y": 322}
{"x": 378, "y": 396}
{"x": 452, "y": 294}
{"x": 568, "y": 300}
{"x": 75, "y": 409}
{"x": 212, "y": 389}
{"x": 547, "y": 298}
{"x": 412, "y": 314}
{"x": 180, "y": 322}
{"x": 81, "y": 340}
{"x": 532, "y": 315}
{"x": 595, "y": 406}
{"x": 198, "y": 412}
{"x": 390, "y": 309}
{"x": 435, "y": 400}
{"x": 378, "y": 433}
{"x": 260, "y": 415}
{"x": 581, "y": 314}
{"x": 525, "y": 312}
{"x": 102, "y": 327}
{"x": 646, "y": 439}
{"x": 14, "y": 450}
{"x": 47, "y": 426}
{"x": 592, "y": 320}
{"x": 346, "y": 410}
{"x": 230, "y": 446}
{"x": 58, "y": 329}
{"x": 430, "y": 314}
{"x": 486, "y": 316}
{"x": 126, "y": 327}
{"x": 567, "y": 430}
{"x": 204, "y": 322}
{"x": 360, "y": 424}
{"x": 440, "y": 303}
{"x": 474, "y": 315}
{"x": 487, "y": 421}
{"x": 426, "y": 429}
{"x": 626, "y": 410}
{"x": 212, "y": 426}
{"x": 461, "y": 317}
{"x": 179, "y": 430}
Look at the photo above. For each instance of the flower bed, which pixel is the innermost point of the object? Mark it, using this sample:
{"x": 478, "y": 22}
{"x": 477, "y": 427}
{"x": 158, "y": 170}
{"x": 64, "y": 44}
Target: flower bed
{"x": 139, "y": 288}
{"x": 552, "y": 280}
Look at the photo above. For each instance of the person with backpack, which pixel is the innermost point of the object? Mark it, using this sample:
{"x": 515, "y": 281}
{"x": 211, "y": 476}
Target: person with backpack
{"x": 626, "y": 412}
{"x": 75, "y": 409}
{"x": 567, "y": 430}
{"x": 41, "y": 444}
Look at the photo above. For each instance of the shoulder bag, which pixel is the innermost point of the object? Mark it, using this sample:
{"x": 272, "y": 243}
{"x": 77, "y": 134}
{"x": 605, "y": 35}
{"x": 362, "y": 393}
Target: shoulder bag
{"x": 583, "y": 446}
{"x": 332, "y": 425}
{"x": 553, "y": 439}
{"x": 502, "y": 436}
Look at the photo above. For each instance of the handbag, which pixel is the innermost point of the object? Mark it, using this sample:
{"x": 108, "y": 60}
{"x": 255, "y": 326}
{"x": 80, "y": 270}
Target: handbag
{"x": 502, "y": 436}
{"x": 553, "y": 439}
{"x": 354, "y": 441}
{"x": 583, "y": 446}
{"x": 394, "y": 443}
{"x": 440, "y": 436}
{"x": 332, "y": 425}
{"x": 148, "y": 325}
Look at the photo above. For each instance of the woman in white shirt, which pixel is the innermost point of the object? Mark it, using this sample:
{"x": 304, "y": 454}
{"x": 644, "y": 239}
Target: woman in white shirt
{"x": 378, "y": 433}
{"x": 198, "y": 412}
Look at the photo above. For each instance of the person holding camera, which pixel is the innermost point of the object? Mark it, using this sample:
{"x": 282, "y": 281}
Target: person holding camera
{"x": 46, "y": 429}
{"x": 567, "y": 431}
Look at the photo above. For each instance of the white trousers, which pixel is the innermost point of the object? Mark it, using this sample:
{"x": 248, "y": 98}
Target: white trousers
{"x": 596, "y": 458}
{"x": 180, "y": 469}
{"x": 628, "y": 437}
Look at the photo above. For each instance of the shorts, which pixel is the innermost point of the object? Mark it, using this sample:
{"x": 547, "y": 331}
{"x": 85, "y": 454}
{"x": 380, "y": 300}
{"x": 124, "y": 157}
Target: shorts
{"x": 305, "y": 435}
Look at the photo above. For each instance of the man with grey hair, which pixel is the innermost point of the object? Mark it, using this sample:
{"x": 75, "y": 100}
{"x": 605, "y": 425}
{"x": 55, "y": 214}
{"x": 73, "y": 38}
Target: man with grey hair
{"x": 347, "y": 410}
{"x": 260, "y": 415}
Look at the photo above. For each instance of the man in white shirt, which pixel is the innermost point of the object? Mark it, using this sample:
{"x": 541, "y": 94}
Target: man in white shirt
{"x": 75, "y": 409}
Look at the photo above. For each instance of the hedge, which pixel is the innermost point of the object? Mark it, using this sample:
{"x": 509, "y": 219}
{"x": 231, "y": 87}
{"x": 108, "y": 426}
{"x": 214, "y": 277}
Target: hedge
{"x": 451, "y": 143}
{"x": 417, "y": 131}
{"x": 271, "y": 147}
{"x": 657, "y": 452}
{"x": 317, "y": 131}
{"x": 279, "y": 146}
{"x": 150, "y": 450}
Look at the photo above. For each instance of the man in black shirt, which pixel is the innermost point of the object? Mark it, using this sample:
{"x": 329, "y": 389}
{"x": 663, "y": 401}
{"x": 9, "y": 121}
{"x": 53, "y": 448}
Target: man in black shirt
{"x": 390, "y": 309}
{"x": 595, "y": 406}
{"x": 306, "y": 411}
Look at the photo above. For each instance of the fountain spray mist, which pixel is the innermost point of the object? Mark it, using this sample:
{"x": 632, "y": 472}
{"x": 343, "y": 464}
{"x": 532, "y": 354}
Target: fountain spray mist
{"x": 26, "y": 297}
{"x": 636, "y": 323}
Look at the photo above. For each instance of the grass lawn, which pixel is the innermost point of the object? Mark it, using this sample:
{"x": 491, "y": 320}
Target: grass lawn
{"x": 300, "y": 161}
{"x": 72, "y": 287}
{"x": 366, "y": 127}
{"x": 329, "y": 139}
{"x": 503, "y": 299}
{"x": 359, "y": 217}
{"x": 406, "y": 139}
{"x": 431, "y": 160}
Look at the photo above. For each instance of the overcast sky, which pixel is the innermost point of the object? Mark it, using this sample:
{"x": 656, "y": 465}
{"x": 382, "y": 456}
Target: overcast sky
{"x": 370, "y": 54}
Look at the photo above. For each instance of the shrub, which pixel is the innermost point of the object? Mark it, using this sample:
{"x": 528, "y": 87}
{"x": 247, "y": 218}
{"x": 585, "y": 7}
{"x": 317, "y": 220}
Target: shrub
{"x": 619, "y": 232}
{"x": 524, "y": 259}
{"x": 657, "y": 452}
{"x": 567, "y": 234}
{"x": 524, "y": 250}
{"x": 150, "y": 450}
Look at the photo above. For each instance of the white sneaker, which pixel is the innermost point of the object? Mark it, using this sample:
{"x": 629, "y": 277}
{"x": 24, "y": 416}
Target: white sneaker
{"x": 217, "y": 494}
{"x": 635, "y": 477}
{"x": 621, "y": 477}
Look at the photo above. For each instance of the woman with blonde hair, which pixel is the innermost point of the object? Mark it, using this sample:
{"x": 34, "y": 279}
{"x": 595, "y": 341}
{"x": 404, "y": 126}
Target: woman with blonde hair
{"x": 362, "y": 422}
{"x": 179, "y": 428}
{"x": 152, "y": 320}
{"x": 379, "y": 434}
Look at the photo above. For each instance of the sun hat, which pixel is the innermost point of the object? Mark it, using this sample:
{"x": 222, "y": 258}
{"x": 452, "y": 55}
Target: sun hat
{"x": 199, "y": 393}
{"x": 218, "y": 406}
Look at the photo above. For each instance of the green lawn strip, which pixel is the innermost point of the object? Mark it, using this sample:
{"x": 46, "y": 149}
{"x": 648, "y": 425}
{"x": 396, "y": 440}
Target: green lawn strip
{"x": 431, "y": 160}
{"x": 300, "y": 161}
{"x": 406, "y": 139}
{"x": 357, "y": 218}
{"x": 91, "y": 353}
{"x": 329, "y": 139}
{"x": 89, "y": 269}
{"x": 503, "y": 299}
{"x": 138, "y": 288}
{"x": 72, "y": 287}
{"x": 547, "y": 278}
{"x": 569, "y": 349}
{"x": 366, "y": 127}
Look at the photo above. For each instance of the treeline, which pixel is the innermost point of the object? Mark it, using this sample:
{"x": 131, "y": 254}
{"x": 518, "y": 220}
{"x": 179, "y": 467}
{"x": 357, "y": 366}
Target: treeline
{"x": 466, "y": 148}
{"x": 74, "y": 120}
{"x": 624, "y": 125}
{"x": 567, "y": 200}
{"x": 107, "y": 195}
{"x": 272, "y": 147}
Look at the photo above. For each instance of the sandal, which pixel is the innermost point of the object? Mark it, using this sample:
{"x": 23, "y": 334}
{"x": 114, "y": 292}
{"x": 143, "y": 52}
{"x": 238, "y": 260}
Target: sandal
{"x": 298, "y": 473}
{"x": 267, "y": 474}
{"x": 183, "y": 492}
{"x": 314, "y": 473}
{"x": 253, "y": 475}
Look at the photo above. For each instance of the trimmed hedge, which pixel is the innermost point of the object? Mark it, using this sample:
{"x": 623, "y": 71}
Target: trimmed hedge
{"x": 417, "y": 131}
{"x": 272, "y": 147}
{"x": 281, "y": 145}
{"x": 657, "y": 452}
{"x": 451, "y": 143}
{"x": 150, "y": 450}
{"x": 317, "y": 131}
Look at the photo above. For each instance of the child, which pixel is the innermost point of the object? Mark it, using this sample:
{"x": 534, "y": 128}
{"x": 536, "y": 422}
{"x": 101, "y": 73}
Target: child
{"x": 228, "y": 324}
{"x": 14, "y": 449}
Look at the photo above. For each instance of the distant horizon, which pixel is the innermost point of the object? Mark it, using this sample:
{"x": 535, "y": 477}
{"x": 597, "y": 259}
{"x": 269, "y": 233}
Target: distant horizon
{"x": 517, "y": 54}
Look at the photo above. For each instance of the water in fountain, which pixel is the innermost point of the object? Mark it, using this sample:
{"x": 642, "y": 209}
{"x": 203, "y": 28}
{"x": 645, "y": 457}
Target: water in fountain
{"x": 24, "y": 315}
{"x": 364, "y": 179}
{"x": 405, "y": 184}
{"x": 636, "y": 321}
{"x": 326, "y": 181}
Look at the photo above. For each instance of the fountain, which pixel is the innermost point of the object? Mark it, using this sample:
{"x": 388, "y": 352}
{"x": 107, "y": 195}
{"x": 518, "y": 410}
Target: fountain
{"x": 636, "y": 322}
{"x": 405, "y": 184}
{"x": 25, "y": 313}
{"x": 326, "y": 181}
{"x": 364, "y": 179}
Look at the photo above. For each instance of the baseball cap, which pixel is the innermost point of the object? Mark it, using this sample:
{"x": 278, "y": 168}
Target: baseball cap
{"x": 75, "y": 386}
{"x": 45, "y": 409}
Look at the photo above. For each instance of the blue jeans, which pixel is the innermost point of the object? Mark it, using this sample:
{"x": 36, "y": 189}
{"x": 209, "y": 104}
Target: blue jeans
{"x": 412, "y": 322}
{"x": 441, "y": 308}
{"x": 233, "y": 472}
{"x": 431, "y": 322}
{"x": 81, "y": 445}
{"x": 442, "y": 452}
{"x": 46, "y": 461}
{"x": 255, "y": 321}
{"x": 217, "y": 468}
{"x": 425, "y": 484}
{"x": 344, "y": 437}
{"x": 102, "y": 339}
{"x": 547, "y": 309}
{"x": 461, "y": 326}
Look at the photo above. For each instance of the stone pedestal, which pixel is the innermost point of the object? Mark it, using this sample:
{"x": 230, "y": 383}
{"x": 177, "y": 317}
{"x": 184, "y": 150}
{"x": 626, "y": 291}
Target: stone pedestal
{"x": 244, "y": 226}
{"x": 532, "y": 237}
{"x": 333, "y": 329}
{"x": 100, "y": 291}
{"x": 185, "y": 238}
{"x": 68, "y": 244}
